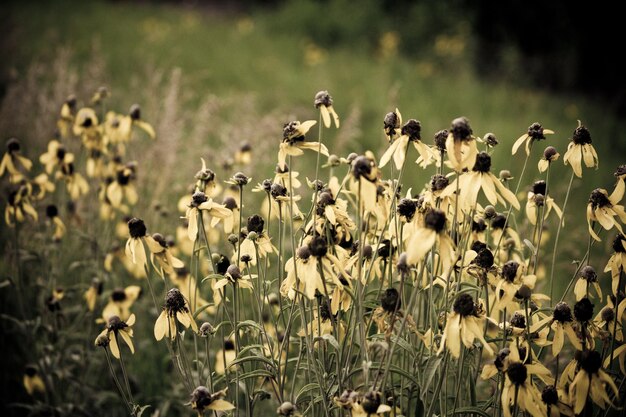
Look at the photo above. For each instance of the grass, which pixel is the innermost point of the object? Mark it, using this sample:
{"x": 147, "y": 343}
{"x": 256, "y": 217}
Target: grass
{"x": 211, "y": 79}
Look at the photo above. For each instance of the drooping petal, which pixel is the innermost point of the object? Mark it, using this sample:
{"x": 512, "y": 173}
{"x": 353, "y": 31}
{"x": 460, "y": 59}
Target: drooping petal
{"x": 160, "y": 327}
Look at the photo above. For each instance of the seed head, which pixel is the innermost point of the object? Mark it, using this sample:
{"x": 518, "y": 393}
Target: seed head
{"x": 619, "y": 243}
{"x": 505, "y": 175}
{"x": 230, "y": 203}
{"x": 440, "y": 139}
{"x": 52, "y": 211}
{"x": 362, "y": 167}
{"x": 535, "y": 131}
{"x": 490, "y": 212}
{"x": 278, "y": 190}
{"x": 620, "y": 171}
{"x": 539, "y": 187}
{"x": 234, "y": 272}
{"x": 384, "y": 250}
{"x": 255, "y": 224}
{"x": 240, "y": 179}
{"x": 403, "y": 265}
{"x": 523, "y": 293}
{"x": 201, "y": 398}
{"x": 318, "y": 246}
{"x": 599, "y": 198}
{"x": 509, "y": 270}
{"x": 371, "y": 402}
{"x": 435, "y": 220}
{"x": 581, "y": 135}
{"x": 518, "y": 320}
{"x": 583, "y": 310}
{"x": 135, "y": 112}
{"x": 607, "y": 314}
{"x": 102, "y": 341}
{"x": 390, "y": 300}
{"x": 407, "y": 208}
{"x": 589, "y": 274}
{"x": 483, "y": 162}
{"x": 174, "y": 301}
{"x": 478, "y": 226}
{"x": 550, "y": 395}
{"x": 115, "y": 324}
{"x": 322, "y": 98}
{"x": 391, "y": 123}
{"x": 198, "y": 198}
{"x": 501, "y": 357}
{"x": 304, "y": 252}
{"x": 461, "y": 129}
{"x": 118, "y": 295}
{"x": 491, "y": 139}
{"x": 286, "y": 408}
{"x": 334, "y": 160}
{"x": 13, "y": 145}
{"x": 221, "y": 263}
{"x": 464, "y": 305}
{"x": 517, "y": 373}
{"x": 205, "y": 175}
{"x": 562, "y": 312}
{"x": 412, "y": 128}
{"x": 549, "y": 153}
{"x": 207, "y": 329}
{"x": 484, "y": 259}
{"x": 438, "y": 182}
{"x": 499, "y": 222}
{"x": 590, "y": 361}
{"x": 136, "y": 228}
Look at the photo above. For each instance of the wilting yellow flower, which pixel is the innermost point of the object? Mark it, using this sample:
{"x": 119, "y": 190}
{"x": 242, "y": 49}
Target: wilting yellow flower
{"x": 115, "y": 329}
{"x": 176, "y": 308}
{"x": 364, "y": 182}
{"x": 56, "y": 156}
{"x": 536, "y": 132}
{"x": 122, "y": 187}
{"x": 513, "y": 278}
{"x": 86, "y": 126}
{"x": 201, "y": 203}
{"x": 561, "y": 322}
{"x": 591, "y": 382}
{"x": 202, "y": 399}
{"x": 120, "y": 302}
{"x": 19, "y": 205}
{"x": 549, "y": 155}
{"x": 324, "y": 102}
{"x": 409, "y": 133}
{"x": 580, "y": 149}
{"x": 480, "y": 177}
{"x": 537, "y": 199}
{"x": 465, "y": 323}
{"x": 518, "y": 385}
{"x": 587, "y": 277}
{"x": 294, "y": 141}
{"x": 602, "y": 208}
{"x": 225, "y": 356}
{"x": 32, "y": 380}
{"x": 607, "y": 318}
{"x": 617, "y": 261}
{"x": 425, "y": 236}
{"x": 134, "y": 245}
{"x": 243, "y": 155}
{"x": 52, "y": 213}
{"x": 256, "y": 241}
{"x": 461, "y": 145}
{"x": 163, "y": 261}
{"x": 76, "y": 184}
{"x": 362, "y": 405}
{"x": 43, "y": 184}
{"x": 66, "y": 116}
{"x": 92, "y": 293}
{"x": 12, "y": 159}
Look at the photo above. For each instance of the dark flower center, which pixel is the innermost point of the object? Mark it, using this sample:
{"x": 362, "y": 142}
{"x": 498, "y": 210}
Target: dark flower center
{"x": 118, "y": 295}
{"x": 549, "y": 153}
{"x": 30, "y": 370}
{"x": 325, "y": 199}
{"x": 407, "y": 208}
{"x": 390, "y": 300}
{"x": 278, "y": 190}
{"x": 590, "y": 361}
{"x": 240, "y": 179}
{"x": 245, "y": 147}
{"x": 175, "y": 301}
{"x": 478, "y": 225}
{"x": 524, "y": 292}
{"x": 325, "y": 312}
{"x": 598, "y": 198}
{"x": 499, "y": 221}
{"x": 517, "y": 373}
{"x": 539, "y": 187}
{"x": 230, "y": 203}
{"x": 234, "y": 272}
{"x": 198, "y": 198}
{"x": 412, "y": 129}
{"x": 509, "y": 270}
{"x": 391, "y": 122}
{"x": 491, "y": 139}
{"x": 61, "y": 152}
{"x": 550, "y": 395}
{"x": 607, "y": 314}
{"x": 501, "y": 357}
{"x": 484, "y": 258}
{"x": 229, "y": 344}
{"x": 286, "y": 409}
{"x": 116, "y": 324}
{"x": 291, "y": 134}
{"x": 201, "y": 398}
{"x": 136, "y": 228}
{"x": 461, "y": 129}
{"x": 255, "y": 223}
{"x": 135, "y": 112}
{"x": 371, "y": 402}
{"x": 322, "y": 98}
{"x": 618, "y": 243}
{"x": 52, "y": 211}
{"x": 464, "y": 305}
{"x": 222, "y": 264}
{"x": 518, "y": 320}
{"x": 435, "y": 220}
{"x": 535, "y": 131}
{"x": 562, "y": 312}
{"x": 589, "y": 274}
{"x": 304, "y": 252}
{"x": 581, "y": 135}
{"x": 362, "y": 167}
{"x": 440, "y": 139}
{"x": 621, "y": 170}
{"x": 483, "y": 162}
{"x": 583, "y": 310}
{"x": 384, "y": 250}
{"x": 122, "y": 177}
{"x": 88, "y": 122}
{"x": 205, "y": 175}
{"x": 318, "y": 246}
{"x": 438, "y": 182}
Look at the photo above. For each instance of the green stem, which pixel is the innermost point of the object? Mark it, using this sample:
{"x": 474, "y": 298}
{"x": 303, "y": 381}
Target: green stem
{"x": 556, "y": 239}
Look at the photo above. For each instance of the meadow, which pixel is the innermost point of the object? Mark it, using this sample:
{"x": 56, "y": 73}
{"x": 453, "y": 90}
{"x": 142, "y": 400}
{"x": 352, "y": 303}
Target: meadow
{"x": 174, "y": 180}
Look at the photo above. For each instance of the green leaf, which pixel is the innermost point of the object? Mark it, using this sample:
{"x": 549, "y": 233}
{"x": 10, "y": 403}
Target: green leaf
{"x": 200, "y": 310}
{"x": 428, "y": 374}
{"x": 213, "y": 276}
{"x": 330, "y": 339}
{"x": 254, "y": 359}
{"x": 257, "y": 373}
{"x": 530, "y": 246}
{"x": 142, "y": 409}
{"x": 306, "y": 388}
{"x": 250, "y": 323}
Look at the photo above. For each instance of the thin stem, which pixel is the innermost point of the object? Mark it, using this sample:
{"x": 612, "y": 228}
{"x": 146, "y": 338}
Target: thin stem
{"x": 556, "y": 239}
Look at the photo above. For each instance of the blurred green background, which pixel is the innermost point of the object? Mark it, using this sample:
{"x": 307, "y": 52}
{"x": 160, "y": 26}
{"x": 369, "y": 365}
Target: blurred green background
{"x": 211, "y": 76}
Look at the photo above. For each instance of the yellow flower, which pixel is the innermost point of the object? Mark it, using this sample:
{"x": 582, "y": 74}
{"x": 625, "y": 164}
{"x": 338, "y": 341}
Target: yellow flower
{"x": 256, "y": 241}
{"x": 364, "y": 181}
{"x": 56, "y": 157}
{"x": 591, "y": 382}
{"x": 233, "y": 276}
{"x": 362, "y": 405}
{"x": 165, "y": 261}
{"x": 580, "y": 149}
{"x": 518, "y": 386}
{"x": 513, "y": 278}
{"x": 86, "y": 126}
{"x": 294, "y": 141}
{"x": 176, "y": 308}
{"x": 134, "y": 245}
{"x": 199, "y": 204}
{"x": 536, "y": 132}
{"x": 549, "y": 155}
{"x": 76, "y": 184}
{"x": 43, "y": 184}
{"x": 470, "y": 183}
{"x": 556, "y": 401}
{"x": 617, "y": 261}
{"x": 120, "y": 302}
{"x": 465, "y": 323}
{"x": 122, "y": 187}
{"x": 587, "y": 277}
{"x": 66, "y": 116}
{"x": 607, "y": 317}
{"x": 425, "y": 236}
{"x": 19, "y": 205}
{"x": 537, "y": 199}
{"x": 461, "y": 145}
{"x": 32, "y": 380}
{"x": 561, "y": 322}
{"x": 202, "y": 399}
{"x": 189, "y": 289}
{"x": 115, "y": 329}
{"x": 11, "y": 161}
{"x": 92, "y": 293}
{"x": 225, "y": 356}
{"x": 409, "y": 133}
{"x": 52, "y": 213}
{"x": 324, "y": 102}
{"x": 602, "y": 208}
{"x": 243, "y": 155}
